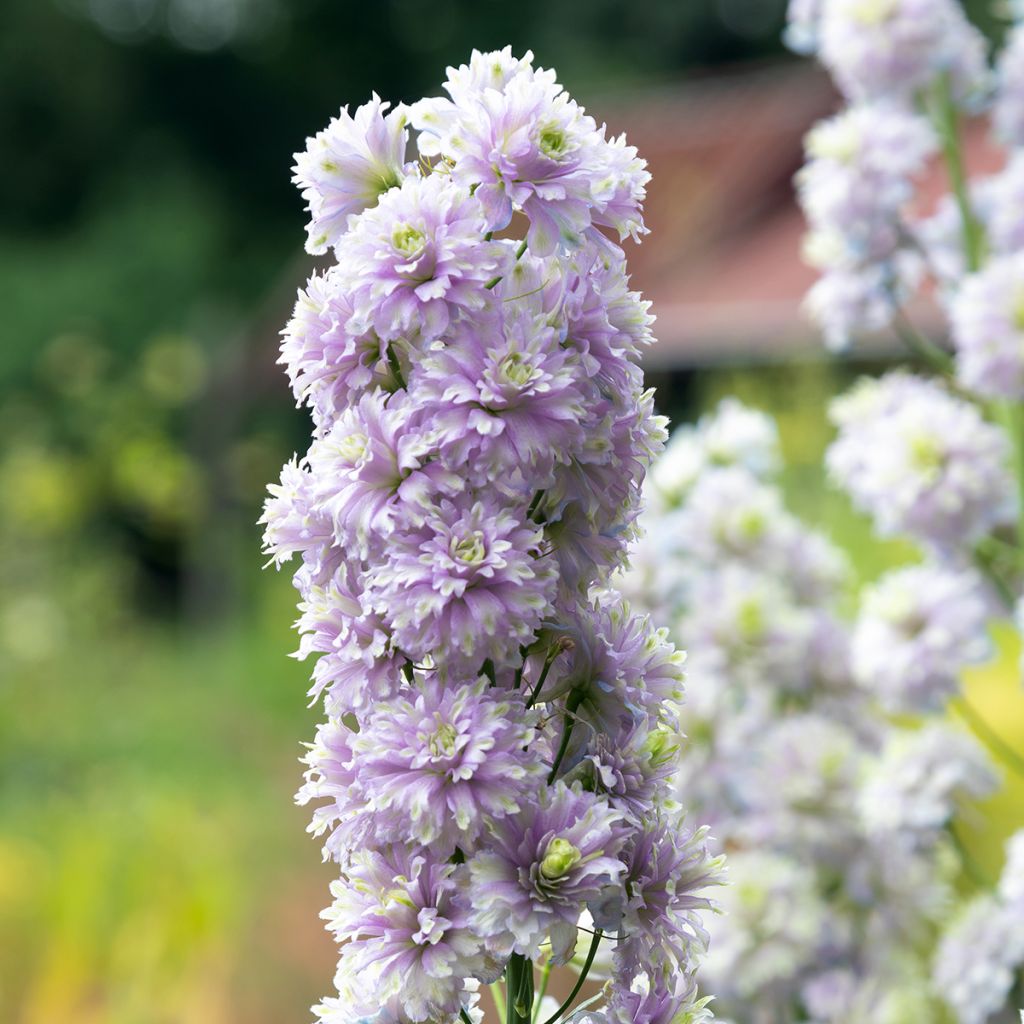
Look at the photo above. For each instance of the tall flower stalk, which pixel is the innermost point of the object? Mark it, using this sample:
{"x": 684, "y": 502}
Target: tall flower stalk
{"x": 494, "y": 773}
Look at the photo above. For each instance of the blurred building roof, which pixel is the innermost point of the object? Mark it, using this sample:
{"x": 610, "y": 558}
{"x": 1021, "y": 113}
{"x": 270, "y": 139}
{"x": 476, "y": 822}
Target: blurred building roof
{"x": 722, "y": 264}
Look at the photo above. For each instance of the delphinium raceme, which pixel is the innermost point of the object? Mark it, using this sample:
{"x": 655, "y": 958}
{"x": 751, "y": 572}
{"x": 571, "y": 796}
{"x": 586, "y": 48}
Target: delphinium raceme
{"x": 494, "y": 775}
{"x": 842, "y": 825}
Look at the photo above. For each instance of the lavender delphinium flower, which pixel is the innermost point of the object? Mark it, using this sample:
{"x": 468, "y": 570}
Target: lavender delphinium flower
{"x": 417, "y": 258}
{"x": 540, "y": 867}
{"x": 917, "y": 628}
{"x": 348, "y": 166}
{"x": 516, "y": 138}
{"x": 502, "y": 729}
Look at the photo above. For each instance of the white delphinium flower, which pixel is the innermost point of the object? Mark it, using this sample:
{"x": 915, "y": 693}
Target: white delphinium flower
{"x": 917, "y": 627}
{"x": 988, "y": 329}
{"x": 920, "y": 461}
{"x": 798, "y": 782}
{"x": 977, "y": 960}
{"x": 1008, "y": 113}
{"x": 921, "y": 779}
{"x": 773, "y": 926}
{"x": 853, "y": 189}
{"x": 736, "y": 435}
{"x": 1011, "y": 882}
{"x": 896, "y": 47}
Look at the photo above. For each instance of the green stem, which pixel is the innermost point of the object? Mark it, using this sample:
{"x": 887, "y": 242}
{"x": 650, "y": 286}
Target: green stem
{"x": 986, "y": 565}
{"x": 574, "y": 701}
{"x": 587, "y": 964}
{"x": 945, "y": 119}
{"x": 971, "y": 867}
{"x": 553, "y": 653}
{"x": 498, "y": 995}
{"x": 519, "y": 255}
{"x": 927, "y": 351}
{"x": 989, "y": 736}
{"x": 1010, "y": 414}
{"x": 545, "y": 977}
{"x": 396, "y": 368}
{"x": 465, "y": 1016}
{"x": 518, "y": 990}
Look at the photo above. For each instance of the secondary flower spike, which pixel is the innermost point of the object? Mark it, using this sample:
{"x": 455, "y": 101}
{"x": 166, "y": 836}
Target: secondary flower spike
{"x": 501, "y": 738}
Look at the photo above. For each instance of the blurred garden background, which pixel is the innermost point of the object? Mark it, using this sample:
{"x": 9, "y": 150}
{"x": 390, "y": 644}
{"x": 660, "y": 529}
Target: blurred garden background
{"x": 152, "y": 866}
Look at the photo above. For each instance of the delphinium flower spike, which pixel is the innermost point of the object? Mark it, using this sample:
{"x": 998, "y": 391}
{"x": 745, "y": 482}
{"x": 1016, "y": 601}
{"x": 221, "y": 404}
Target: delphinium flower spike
{"x": 501, "y": 734}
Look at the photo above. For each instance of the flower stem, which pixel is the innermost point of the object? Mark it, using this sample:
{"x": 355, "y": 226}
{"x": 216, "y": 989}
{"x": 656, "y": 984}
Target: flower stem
{"x": 989, "y": 736}
{"x": 545, "y": 976}
{"x": 971, "y": 867}
{"x": 498, "y": 995}
{"x": 587, "y": 964}
{"x": 985, "y": 561}
{"x": 927, "y": 351}
{"x": 395, "y": 367}
{"x": 574, "y": 701}
{"x": 518, "y": 990}
{"x": 944, "y": 117}
{"x": 1013, "y": 423}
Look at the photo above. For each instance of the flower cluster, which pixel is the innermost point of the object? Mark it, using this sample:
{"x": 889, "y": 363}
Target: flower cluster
{"x": 890, "y": 59}
{"x": 839, "y": 822}
{"x": 501, "y": 737}
{"x": 823, "y": 747}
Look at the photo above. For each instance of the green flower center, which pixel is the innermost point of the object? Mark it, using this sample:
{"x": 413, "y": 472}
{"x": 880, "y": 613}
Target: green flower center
{"x": 469, "y": 550}
{"x": 660, "y": 745}
{"x": 516, "y": 372}
{"x": 552, "y": 141}
{"x": 353, "y": 447}
{"x": 750, "y": 619}
{"x": 873, "y": 12}
{"x": 1018, "y": 311}
{"x": 751, "y": 524}
{"x": 442, "y": 742}
{"x": 925, "y": 454}
{"x": 408, "y": 240}
{"x": 560, "y": 859}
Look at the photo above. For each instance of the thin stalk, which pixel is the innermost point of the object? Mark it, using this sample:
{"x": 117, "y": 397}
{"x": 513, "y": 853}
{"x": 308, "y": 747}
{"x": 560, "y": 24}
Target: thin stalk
{"x": 569, "y": 720}
{"x": 519, "y": 254}
{"x": 545, "y": 977}
{"x": 945, "y": 119}
{"x": 985, "y": 564}
{"x": 498, "y": 995}
{"x": 395, "y": 366}
{"x": 465, "y": 1016}
{"x": 971, "y": 867}
{"x": 1010, "y": 415}
{"x": 587, "y": 964}
{"x": 548, "y": 662}
{"x": 989, "y": 736}
{"x": 927, "y": 351}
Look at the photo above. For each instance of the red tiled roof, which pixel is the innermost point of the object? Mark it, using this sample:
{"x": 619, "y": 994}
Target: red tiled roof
{"x": 722, "y": 265}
